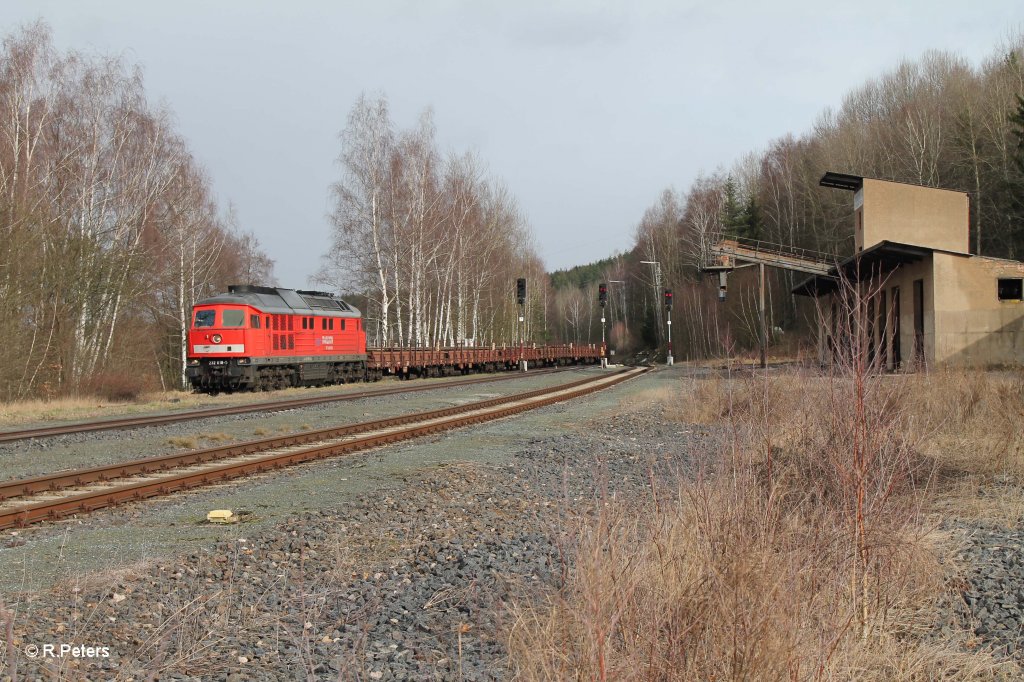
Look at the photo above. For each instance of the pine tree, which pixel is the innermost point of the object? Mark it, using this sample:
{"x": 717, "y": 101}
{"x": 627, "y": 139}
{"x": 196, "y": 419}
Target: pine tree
{"x": 1017, "y": 119}
{"x": 752, "y": 221}
{"x": 734, "y": 219}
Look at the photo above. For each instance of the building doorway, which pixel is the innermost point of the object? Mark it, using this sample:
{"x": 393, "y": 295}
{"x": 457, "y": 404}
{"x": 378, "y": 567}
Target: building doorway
{"x": 897, "y": 357}
{"x": 918, "y": 320}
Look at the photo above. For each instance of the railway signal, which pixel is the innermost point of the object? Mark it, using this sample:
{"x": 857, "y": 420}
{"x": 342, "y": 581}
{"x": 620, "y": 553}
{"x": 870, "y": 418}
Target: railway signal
{"x": 602, "y": 298}
{"x": 668, "y": 307}
{"x": 521, "y": 300}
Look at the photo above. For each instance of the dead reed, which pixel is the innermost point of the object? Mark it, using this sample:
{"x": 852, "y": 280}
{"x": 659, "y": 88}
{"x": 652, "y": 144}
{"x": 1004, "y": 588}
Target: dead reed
{"x": 802, "y": 550}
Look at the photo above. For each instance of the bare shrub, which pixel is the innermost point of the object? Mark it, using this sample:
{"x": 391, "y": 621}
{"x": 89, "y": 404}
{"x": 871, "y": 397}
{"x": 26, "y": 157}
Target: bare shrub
{"x": 117, "y": 387}
{"x": 801, "y": 549}
{"x": 724, "y": 584}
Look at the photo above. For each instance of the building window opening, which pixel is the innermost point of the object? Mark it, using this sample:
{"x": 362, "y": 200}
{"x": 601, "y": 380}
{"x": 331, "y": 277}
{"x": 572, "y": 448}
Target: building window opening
{"x": 1011, "y": 289}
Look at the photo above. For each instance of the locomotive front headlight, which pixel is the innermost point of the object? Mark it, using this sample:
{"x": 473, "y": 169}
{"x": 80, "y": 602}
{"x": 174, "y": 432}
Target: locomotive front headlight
{"x": 193, "y": 362}
{"x": 243, "y": 361}
{"x": 216, "y": 338}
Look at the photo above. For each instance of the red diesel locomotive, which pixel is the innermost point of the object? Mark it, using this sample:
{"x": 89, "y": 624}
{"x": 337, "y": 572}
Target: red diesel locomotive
{"x": 261, "y": 338}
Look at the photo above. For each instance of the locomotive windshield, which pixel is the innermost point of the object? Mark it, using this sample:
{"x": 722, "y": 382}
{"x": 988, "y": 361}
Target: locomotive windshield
{"x": 205, "y": 318}
{"x": 233, "y": 318}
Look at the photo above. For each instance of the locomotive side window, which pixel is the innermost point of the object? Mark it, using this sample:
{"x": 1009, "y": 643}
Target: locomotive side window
{"x": 205, "y": 318}
{"x": 323, "y": 323}
{"x": 268, "y": 321}
{"x": 304, "y": 323}
{"x": 254, "y": 321}
{"x": 330, "y": 324}
{"x": 233, "y": 318}
{"x": 343, "y": 325}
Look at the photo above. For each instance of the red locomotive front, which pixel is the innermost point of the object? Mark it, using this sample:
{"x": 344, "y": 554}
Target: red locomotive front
{"x": 257, "y": 338}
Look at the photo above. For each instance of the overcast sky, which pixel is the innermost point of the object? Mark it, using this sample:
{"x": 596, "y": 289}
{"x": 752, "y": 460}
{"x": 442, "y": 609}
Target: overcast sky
{"x": 586, "y": 110}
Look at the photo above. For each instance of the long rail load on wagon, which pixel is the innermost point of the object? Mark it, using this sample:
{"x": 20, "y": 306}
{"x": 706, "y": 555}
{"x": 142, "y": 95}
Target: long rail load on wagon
{"x": 264, "y": 338}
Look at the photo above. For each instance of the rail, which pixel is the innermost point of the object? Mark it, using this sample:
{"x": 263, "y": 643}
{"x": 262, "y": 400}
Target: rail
{"x": 206, "y": 413}
{"x": 219, "y": 464}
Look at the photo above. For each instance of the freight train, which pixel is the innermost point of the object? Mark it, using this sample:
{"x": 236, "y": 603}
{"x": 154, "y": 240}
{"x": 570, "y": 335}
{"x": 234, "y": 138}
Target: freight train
{"x": 256, "y": 338}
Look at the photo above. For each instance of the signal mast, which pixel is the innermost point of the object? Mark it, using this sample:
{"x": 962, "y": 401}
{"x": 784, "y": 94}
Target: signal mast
{"x": 602, "y": 298}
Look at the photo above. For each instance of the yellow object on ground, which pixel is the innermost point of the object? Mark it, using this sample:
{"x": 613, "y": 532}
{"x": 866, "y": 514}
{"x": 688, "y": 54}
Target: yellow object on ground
{"x": 221, "y": 516}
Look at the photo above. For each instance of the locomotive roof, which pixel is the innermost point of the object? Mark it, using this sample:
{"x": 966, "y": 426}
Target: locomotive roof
{"x": 283, "y": 301}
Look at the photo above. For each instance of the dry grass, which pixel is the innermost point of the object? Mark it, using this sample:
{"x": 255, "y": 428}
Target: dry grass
{"x": 87, "y": 406}
{"x": 803, "y": 549}
{"x": 183, "y": 442}
{"x": 74, "y": 408}
{"x": 218, "y": 437}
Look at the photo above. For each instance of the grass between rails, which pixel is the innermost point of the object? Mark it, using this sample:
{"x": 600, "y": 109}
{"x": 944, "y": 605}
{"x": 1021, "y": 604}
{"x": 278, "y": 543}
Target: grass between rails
{"x": 804, "y": 548}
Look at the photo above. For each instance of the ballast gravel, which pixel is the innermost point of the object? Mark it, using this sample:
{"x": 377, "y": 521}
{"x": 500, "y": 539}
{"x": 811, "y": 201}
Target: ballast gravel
{"x": 408, "y": 581}
{"x": 989, "y": 601}
{"x": 34, "y": 457}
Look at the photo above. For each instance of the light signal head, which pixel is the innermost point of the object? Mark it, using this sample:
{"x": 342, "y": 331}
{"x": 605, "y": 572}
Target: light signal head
{"x": 668, "y": 299}
{"x": 602, "y": 293}
{"x": 521, "y": 290}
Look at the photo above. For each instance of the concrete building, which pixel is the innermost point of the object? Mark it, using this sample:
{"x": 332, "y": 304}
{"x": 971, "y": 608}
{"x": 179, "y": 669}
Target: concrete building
{"x": 924, "y": 297}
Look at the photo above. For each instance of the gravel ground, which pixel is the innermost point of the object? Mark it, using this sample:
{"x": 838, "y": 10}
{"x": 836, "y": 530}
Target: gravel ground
{"x": 398, "y": 569}
{"x": 394, "y": 564}
{"x": 990, "y": 598}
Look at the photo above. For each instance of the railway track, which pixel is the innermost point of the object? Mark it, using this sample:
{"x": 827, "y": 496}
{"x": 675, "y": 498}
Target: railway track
{"x": 275, "y": 406}
{"x": 54, "y": 496}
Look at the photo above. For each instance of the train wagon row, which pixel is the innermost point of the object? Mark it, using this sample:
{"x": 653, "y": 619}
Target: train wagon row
{"x": 425, "y": 362}
{"x": 264, "y": 338}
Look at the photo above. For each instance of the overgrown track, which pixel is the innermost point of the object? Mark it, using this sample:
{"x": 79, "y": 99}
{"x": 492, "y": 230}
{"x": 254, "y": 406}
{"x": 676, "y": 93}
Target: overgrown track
{"x": 274, "y": 406}
{"x": 86, "y": 490}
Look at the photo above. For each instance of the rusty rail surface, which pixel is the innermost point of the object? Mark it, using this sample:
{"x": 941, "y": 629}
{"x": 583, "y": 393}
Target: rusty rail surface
{"x": 275, "y": 406}
{"x": 419, "y": 424}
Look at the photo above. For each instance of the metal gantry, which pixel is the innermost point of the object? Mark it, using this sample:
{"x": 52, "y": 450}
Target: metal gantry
{"x": 732, "y": 254}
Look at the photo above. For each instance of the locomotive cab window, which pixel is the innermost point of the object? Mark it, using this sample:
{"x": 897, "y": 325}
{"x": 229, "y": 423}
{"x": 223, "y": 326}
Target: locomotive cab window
{"x": 233, "y": 318}
{"x": 254, "y": 321}
{"x": 205, "y": 318}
